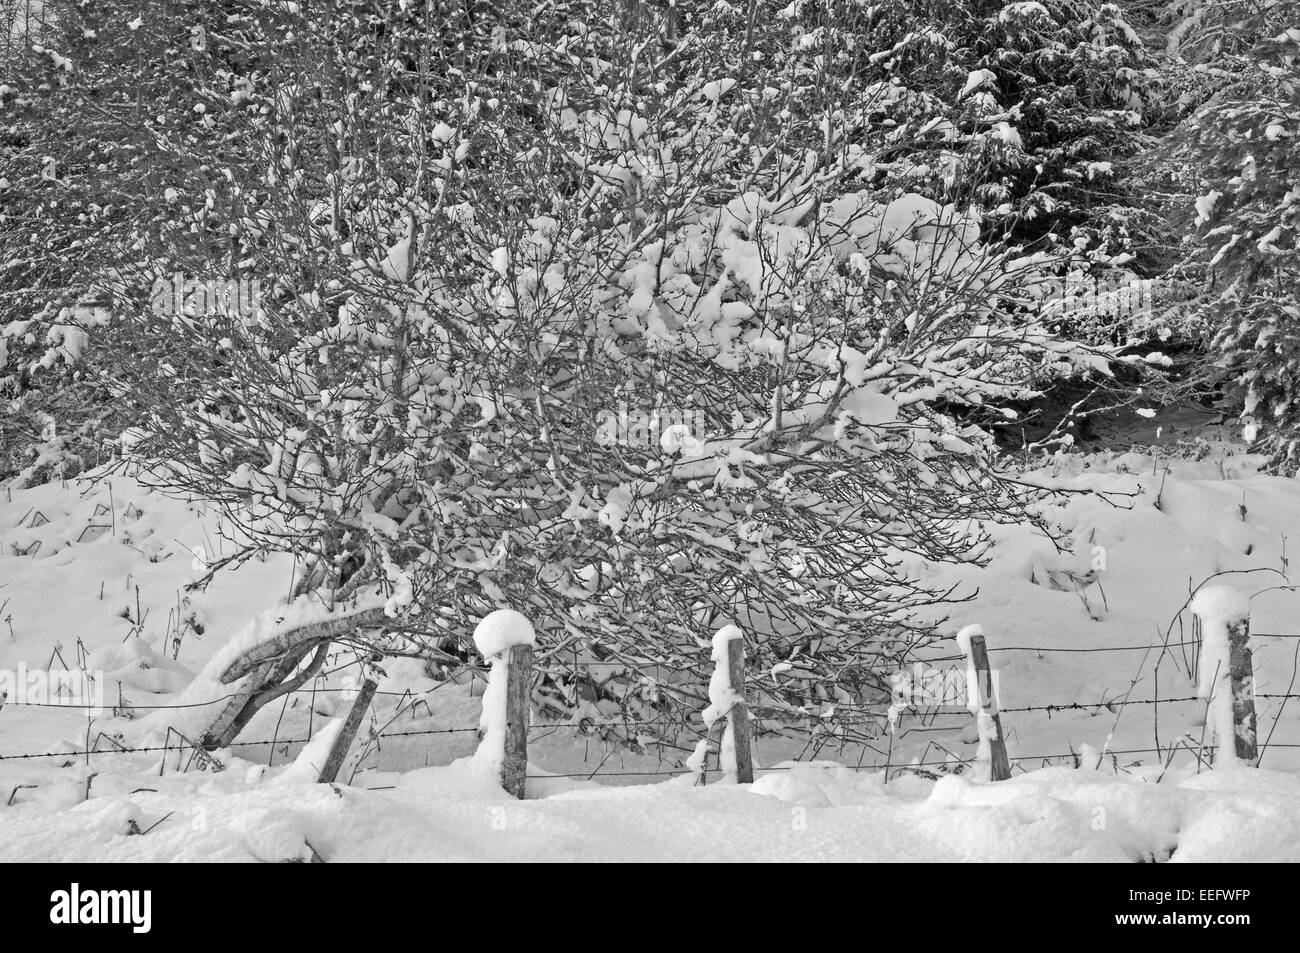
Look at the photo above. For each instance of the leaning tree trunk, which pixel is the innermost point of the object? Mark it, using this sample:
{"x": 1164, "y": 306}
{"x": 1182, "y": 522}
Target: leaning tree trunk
{"x": 271, "y": 676}
{"x": 267, "y": 669}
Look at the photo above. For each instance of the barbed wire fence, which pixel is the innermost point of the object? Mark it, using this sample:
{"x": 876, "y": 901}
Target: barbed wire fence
{"x": 845, "y": 723}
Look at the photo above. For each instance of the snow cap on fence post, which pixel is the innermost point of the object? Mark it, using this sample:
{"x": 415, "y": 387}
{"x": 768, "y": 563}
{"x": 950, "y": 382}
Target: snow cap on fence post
{"x": 1225, "y": 673}
{"x": 727, "y": 698}
{"x": 991, "y": 762}
{"x": 506, "y": 637}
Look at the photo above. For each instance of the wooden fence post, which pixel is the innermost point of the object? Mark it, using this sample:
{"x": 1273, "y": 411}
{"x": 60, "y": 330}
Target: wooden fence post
{"x": 728, "y": 650}
{"x": 1221, "y": 624}
{"x": 1243, "y": 690}
{"x": 343, "y": 743}
{"x": 738, "y": 716}
{"x": 519, "y": 682}
{"x": 1000, "y": 768}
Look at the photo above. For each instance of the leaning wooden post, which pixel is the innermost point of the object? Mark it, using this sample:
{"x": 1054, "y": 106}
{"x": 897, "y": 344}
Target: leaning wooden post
{"x": 506, "y": 637}
{"x": 343, "y": 743}
{"x": 983, "y": 704}
{"x": 1225, "y": 672}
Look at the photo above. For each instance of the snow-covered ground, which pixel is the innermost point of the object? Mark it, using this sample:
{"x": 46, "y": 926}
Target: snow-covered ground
{"x": 810, "y": 814}
{"x": 98, "y": 573}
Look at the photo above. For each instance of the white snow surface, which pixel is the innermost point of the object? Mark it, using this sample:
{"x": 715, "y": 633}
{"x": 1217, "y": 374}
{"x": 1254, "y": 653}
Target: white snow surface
{"x": 501, "y": 629}
{"x": 491, "y": 751}
{"x": 453, "y": 814}
{"x": 1220, "y": 604}
{"x": 307, "y": 766}
{"x": 965, "y": 635}
{"x": 721, "y": 693}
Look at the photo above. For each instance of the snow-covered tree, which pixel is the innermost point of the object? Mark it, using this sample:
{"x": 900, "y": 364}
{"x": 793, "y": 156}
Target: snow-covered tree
{"x": 102, "y": 118}
{"x": 615, "y": 324}
{"x": 1243, "y": 152}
